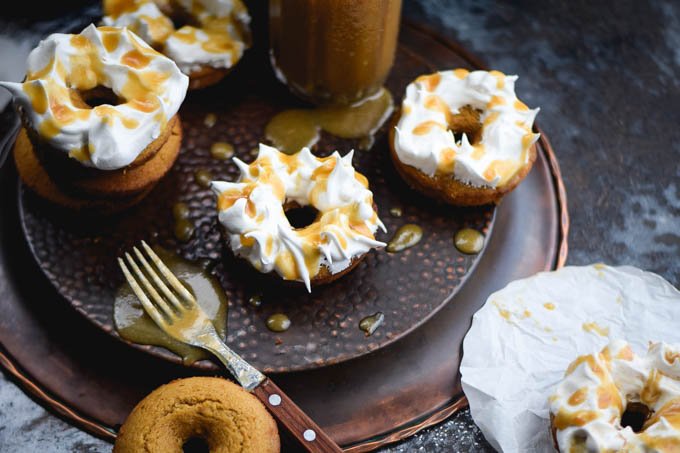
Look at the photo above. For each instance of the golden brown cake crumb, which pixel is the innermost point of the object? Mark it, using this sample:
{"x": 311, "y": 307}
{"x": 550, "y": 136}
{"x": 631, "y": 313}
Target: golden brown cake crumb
{"x": 225, "y": 416}
{"x": 98, "y": 190}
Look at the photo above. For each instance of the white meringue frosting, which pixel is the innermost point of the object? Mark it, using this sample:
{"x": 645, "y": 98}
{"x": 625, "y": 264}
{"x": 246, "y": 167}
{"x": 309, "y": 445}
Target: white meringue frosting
{"x": 140, "y": 16}
{"x": 252, "y": 213}
{"x": 215, "y": 37}
{"x": 108, "y": 137}
{"x": 424, "y": 140}
{"x": 587, "y": 405}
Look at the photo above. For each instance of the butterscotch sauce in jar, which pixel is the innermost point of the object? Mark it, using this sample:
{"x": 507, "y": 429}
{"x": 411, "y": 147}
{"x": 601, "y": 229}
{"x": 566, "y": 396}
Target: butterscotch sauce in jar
{"x": 333, "y": 52}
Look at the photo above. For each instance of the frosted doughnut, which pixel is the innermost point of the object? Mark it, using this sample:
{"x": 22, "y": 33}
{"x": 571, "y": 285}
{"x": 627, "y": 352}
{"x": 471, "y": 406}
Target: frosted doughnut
{"x": 63, "y": 68}
{"x": 587, "y": 406}
{"x": 496, "y": 141}
{"x": 215, "y": 37}
{"x": 252, "y": 211}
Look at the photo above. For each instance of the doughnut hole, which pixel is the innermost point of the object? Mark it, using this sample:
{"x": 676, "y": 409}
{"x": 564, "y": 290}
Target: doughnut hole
{"x": 195, "y": 445}
{"x": 180, "y": 20}
{"x": 580, "y": 442}
{"x": 467, "y": 122}
{"x": 635, "y": 416}
{"x": 94, "y": 97}
{"x": 180, "y": 17}
{"x": 300, "y": 216}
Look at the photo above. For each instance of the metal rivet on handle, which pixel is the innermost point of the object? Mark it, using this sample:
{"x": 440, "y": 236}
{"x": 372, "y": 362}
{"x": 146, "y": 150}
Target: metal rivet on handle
{"x": 274, "y": 399}
{"x": 309, "y": 435}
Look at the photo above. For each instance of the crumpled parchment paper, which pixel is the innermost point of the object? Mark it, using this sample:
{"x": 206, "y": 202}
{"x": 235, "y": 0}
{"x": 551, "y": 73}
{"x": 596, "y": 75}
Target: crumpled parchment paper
{"x": 525, "y": 336}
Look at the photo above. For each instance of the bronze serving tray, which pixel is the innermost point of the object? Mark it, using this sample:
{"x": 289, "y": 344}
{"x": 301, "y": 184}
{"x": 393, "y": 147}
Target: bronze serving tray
{"x": 409, "y": 383}
{"x": 78, "y": 254}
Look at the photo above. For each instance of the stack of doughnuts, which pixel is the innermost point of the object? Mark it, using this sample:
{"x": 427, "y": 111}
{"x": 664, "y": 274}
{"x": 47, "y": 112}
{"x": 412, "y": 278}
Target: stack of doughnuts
{"x": 99, "y": 111}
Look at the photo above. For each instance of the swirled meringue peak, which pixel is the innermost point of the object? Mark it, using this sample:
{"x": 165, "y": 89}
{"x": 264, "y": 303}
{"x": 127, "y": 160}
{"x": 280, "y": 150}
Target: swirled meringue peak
{"x": 252, "y": 211}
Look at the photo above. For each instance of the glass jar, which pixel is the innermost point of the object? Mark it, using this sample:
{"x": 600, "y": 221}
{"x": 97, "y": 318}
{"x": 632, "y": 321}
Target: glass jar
{"x": 333, "y": 52}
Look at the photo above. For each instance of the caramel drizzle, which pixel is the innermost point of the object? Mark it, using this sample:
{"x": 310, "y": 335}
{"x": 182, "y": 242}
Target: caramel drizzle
{"x": 609, "y": 396}
{"x": 343, "y": 221}
{"x": 503, "y": 169}
{"x": 87, "y": 72}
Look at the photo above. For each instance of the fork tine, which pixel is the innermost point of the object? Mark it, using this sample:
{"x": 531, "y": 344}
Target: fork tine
{"x": 159, "y": 283}
{"x": 169, "y": 276}
{"x": 139, "y": 292}
{"x": 150, "y": 290}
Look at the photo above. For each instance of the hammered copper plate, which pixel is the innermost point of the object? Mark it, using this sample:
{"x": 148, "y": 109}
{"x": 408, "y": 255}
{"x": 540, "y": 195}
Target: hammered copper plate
{"x": 93, "y": 381}
{"x": 78, "y": 255}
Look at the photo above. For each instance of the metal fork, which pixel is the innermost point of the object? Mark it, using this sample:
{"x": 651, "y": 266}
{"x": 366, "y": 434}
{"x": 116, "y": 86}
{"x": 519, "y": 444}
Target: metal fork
{"x": 175, "y": 310}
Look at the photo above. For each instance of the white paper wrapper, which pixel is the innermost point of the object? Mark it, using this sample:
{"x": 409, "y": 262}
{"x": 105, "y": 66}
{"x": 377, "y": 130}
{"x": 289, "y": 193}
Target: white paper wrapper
{"x": 525, "y": 336}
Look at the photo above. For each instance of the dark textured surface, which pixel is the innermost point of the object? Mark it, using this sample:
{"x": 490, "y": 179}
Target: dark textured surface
{"x": 78, "y": 255}
{"x": 605, "y": 77}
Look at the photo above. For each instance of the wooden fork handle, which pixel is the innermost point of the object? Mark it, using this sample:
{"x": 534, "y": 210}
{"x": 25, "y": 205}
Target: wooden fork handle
{"x": 294, "y": 419}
